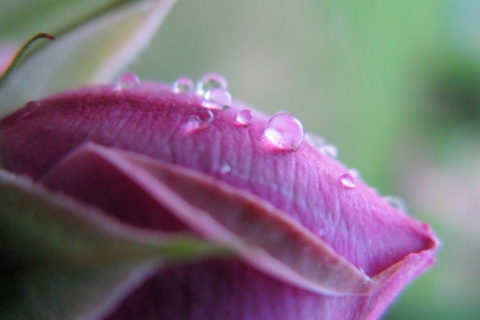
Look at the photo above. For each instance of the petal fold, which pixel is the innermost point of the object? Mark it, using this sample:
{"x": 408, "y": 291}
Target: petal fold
{"x": 267, "y": 238}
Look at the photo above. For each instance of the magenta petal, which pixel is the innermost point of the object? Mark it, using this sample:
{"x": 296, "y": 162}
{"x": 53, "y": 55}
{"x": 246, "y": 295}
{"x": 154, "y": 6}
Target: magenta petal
{"x": 264, "y": 236}
{"x": 229, "y": 289}
{"x": 270, "y": 242}
{"x": 355, "y": 223}
{"x": 151, "y": 120}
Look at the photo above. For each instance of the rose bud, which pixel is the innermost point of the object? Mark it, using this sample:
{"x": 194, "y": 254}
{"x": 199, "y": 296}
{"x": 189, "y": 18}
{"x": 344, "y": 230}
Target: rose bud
{"x": 311, "y": 240}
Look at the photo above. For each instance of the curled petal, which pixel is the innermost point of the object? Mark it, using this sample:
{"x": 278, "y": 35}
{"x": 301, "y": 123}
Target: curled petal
{"x": 266, "y": 237}
{"x": 340, "y": 240}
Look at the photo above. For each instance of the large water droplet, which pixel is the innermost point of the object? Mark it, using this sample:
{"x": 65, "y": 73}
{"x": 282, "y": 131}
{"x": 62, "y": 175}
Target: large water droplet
{"x": 244, "y": 117}
{"x": 217, "y": 98}
{"x": 396, "y": 202}
{"x": 210, "y": 81}
{"x": 200, "y": 119}
{"x": 348, "y": 180}
{"x": 183, "y": 84}
{"x": 128, "y": 80}
{"x": 284, "y": 131}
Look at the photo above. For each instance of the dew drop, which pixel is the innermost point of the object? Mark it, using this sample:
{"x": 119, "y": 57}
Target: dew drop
{"x": 128, "y": 80}
{"x": 396, "y": 202}
{"x": 329, "y": 150}
{"x": 183, "y": 84}
{"x": 210, "y": 81}
{"x": 354, "y": 173}
{"x": 225, "y": 169}
{"x": 30, "y": 108}
{"x": 200, "y": 119}
{"x": 217, "y": 98}
{"x": 348, "y": 180}
{"x": 32, "y": 105}
{"x": 244, "y": 117}
{"x": 284, "y": 131}
{"x": 314, "y": 140}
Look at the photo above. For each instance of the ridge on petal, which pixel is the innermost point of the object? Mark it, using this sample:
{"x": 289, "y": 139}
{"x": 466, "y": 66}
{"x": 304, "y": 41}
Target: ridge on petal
{"x": 149, "y": 120}
{"x": 265, "y": 237}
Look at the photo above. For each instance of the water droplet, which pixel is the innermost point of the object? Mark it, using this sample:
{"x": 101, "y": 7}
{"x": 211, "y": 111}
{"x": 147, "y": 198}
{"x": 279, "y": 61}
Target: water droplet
{"x": 329, "y": 150}
{"x": 216, "y": 98}
{"x": 244, "y": 117}
{"x": 284, "y": 131}
{"x": 225, "y": 169}
{"x": 314, "y": 140}
{"x": 32, "y": 105}
{"x": 396, "y": 202}
{"x": 183, "y": 84}
{"x": 200, "y": 119}
{"x": 30, "y": 108}
{"x": 210, "y": 81}
{"x": 354, "y": 173}
{"x": 348, "y": 180}
{"x": 128, "y": 80}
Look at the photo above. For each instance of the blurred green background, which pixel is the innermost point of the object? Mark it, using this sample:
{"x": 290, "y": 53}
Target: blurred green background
{"x": 394, "y": 84}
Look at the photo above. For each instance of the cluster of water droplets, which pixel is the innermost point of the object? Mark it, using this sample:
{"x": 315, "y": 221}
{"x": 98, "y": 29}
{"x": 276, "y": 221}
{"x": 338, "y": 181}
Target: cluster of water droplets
{"x": 212, "y": 87}
{"x": 282, "y": 131}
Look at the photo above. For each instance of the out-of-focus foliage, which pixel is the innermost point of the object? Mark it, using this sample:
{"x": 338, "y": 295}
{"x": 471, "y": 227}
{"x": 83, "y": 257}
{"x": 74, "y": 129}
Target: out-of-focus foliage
{"x": 394, "y": 84}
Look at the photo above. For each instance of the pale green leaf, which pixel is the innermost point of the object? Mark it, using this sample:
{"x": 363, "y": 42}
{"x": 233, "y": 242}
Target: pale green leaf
{"x": 64, "y": 260}
{"x": 93, "y": 52}
{"x": 53, "y": 231}
{"x": 44, "y": 15}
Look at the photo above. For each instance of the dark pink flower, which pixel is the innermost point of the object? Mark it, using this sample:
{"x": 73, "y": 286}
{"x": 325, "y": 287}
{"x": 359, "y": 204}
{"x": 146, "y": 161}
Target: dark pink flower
{"x": 312, "y": 240}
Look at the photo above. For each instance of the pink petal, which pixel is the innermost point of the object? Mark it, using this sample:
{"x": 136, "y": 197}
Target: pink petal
{"x": 229, "y": 289}
{"x": 355, "y": 223}
{"x": 266, "y": 237}
{"x": 241, "y": 220}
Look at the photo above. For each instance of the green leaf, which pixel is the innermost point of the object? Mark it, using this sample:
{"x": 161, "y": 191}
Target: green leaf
{"x": 86, "y": 53}
{"x": 21, "y": 54}
{"x": 47, "y": 230}
{"x": 45, "y": 15}
{"x": 61, "y": 259}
